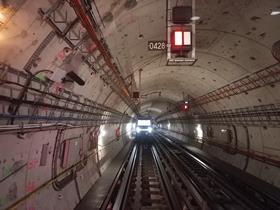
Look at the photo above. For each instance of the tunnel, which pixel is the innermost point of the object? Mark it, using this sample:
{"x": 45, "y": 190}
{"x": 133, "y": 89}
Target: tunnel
{"x": 78, "y": 76}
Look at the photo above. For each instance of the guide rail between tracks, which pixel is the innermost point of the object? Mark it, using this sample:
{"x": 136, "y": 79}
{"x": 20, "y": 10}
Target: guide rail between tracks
{"x": 162, "y": 174}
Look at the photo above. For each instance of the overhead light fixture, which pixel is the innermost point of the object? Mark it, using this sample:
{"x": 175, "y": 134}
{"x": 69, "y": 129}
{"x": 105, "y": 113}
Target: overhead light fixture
{"x": 195, "y": 18}
{"x": 2, "y": 17}
{"x": 275, "y": 13}
{"x": 5, "y": 12}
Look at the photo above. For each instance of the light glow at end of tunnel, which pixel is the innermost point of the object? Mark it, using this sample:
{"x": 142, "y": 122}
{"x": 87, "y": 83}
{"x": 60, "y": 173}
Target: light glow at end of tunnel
{"x": 199, "y": 133}
{"x": 144, "y": 123}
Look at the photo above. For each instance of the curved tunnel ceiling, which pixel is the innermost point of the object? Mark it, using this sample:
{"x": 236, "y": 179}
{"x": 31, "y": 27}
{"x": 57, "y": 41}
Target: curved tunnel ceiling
{"x": 68, "y": 133}
{"x": 233, "y": 39}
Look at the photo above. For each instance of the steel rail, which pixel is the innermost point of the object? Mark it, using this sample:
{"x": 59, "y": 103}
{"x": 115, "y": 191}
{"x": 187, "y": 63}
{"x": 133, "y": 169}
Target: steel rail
{"x": 122, "y": 193}
{"x": 148, "y": 188}
{"x": 113, "y": 186}
{"x": 185, "y": 180}
{"x": 243, "y": 192}
{"x": 168, "y": 190}
{"x": 185, "y": 190}
{"x": 217, "y": 197}
{"x": 193, "y": 189}
{"x": 144, "y": 170}
{"x": 262, "y": 192}
{"x": 257, "y": 155}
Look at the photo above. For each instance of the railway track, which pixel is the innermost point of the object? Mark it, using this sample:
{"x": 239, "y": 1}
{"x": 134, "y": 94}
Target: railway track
{"x": 146, "y": 188}
{"x": 162, "y": 175}
{"x": 145, "y": 185}
{"x": 213, "y": 189}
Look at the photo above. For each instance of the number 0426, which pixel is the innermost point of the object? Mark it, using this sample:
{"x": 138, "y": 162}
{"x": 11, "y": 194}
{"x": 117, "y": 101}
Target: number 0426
{"x": 156, "y": 45}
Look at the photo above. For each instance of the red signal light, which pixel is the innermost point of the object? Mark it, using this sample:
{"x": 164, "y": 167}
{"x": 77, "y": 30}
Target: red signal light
{"x": 178, "y": 36}
{"x": 181, "y": 40}
{"x": 187, "y": 38}
{"x": 184, "y": 107}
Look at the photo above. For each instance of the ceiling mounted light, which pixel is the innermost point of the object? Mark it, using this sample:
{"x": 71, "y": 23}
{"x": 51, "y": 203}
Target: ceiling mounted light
{"x": 2, "y": 17}
{"x": 194, "y": 18}
{"x": 5, "y": 13}
{"x": 275, "y": 13}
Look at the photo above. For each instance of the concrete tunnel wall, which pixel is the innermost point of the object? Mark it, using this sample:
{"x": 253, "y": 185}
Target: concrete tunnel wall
{"x": 245, "y": 140}
{"x": 27, "y": 161}
{"x": 234, "y": 39}
{"x": 251, "y": 148}
{"x": 259, "y": 140}
{"x": 262, "y": 141}
{"x": 26, "y": 30}
{"x": 30, "y": 165}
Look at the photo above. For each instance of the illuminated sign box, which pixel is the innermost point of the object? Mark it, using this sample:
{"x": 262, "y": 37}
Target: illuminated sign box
{"x": 181, "y": 33}
{"x": 181, "y": 40}
{"x": 144, "y": 123}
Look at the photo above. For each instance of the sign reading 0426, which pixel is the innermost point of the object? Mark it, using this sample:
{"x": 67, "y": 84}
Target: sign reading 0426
{"x": 156, "y": 45}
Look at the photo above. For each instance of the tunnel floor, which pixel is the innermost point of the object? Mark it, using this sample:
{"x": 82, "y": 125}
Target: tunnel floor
{"x": 98, "y": 192}
{"x": 158, "y": 172}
